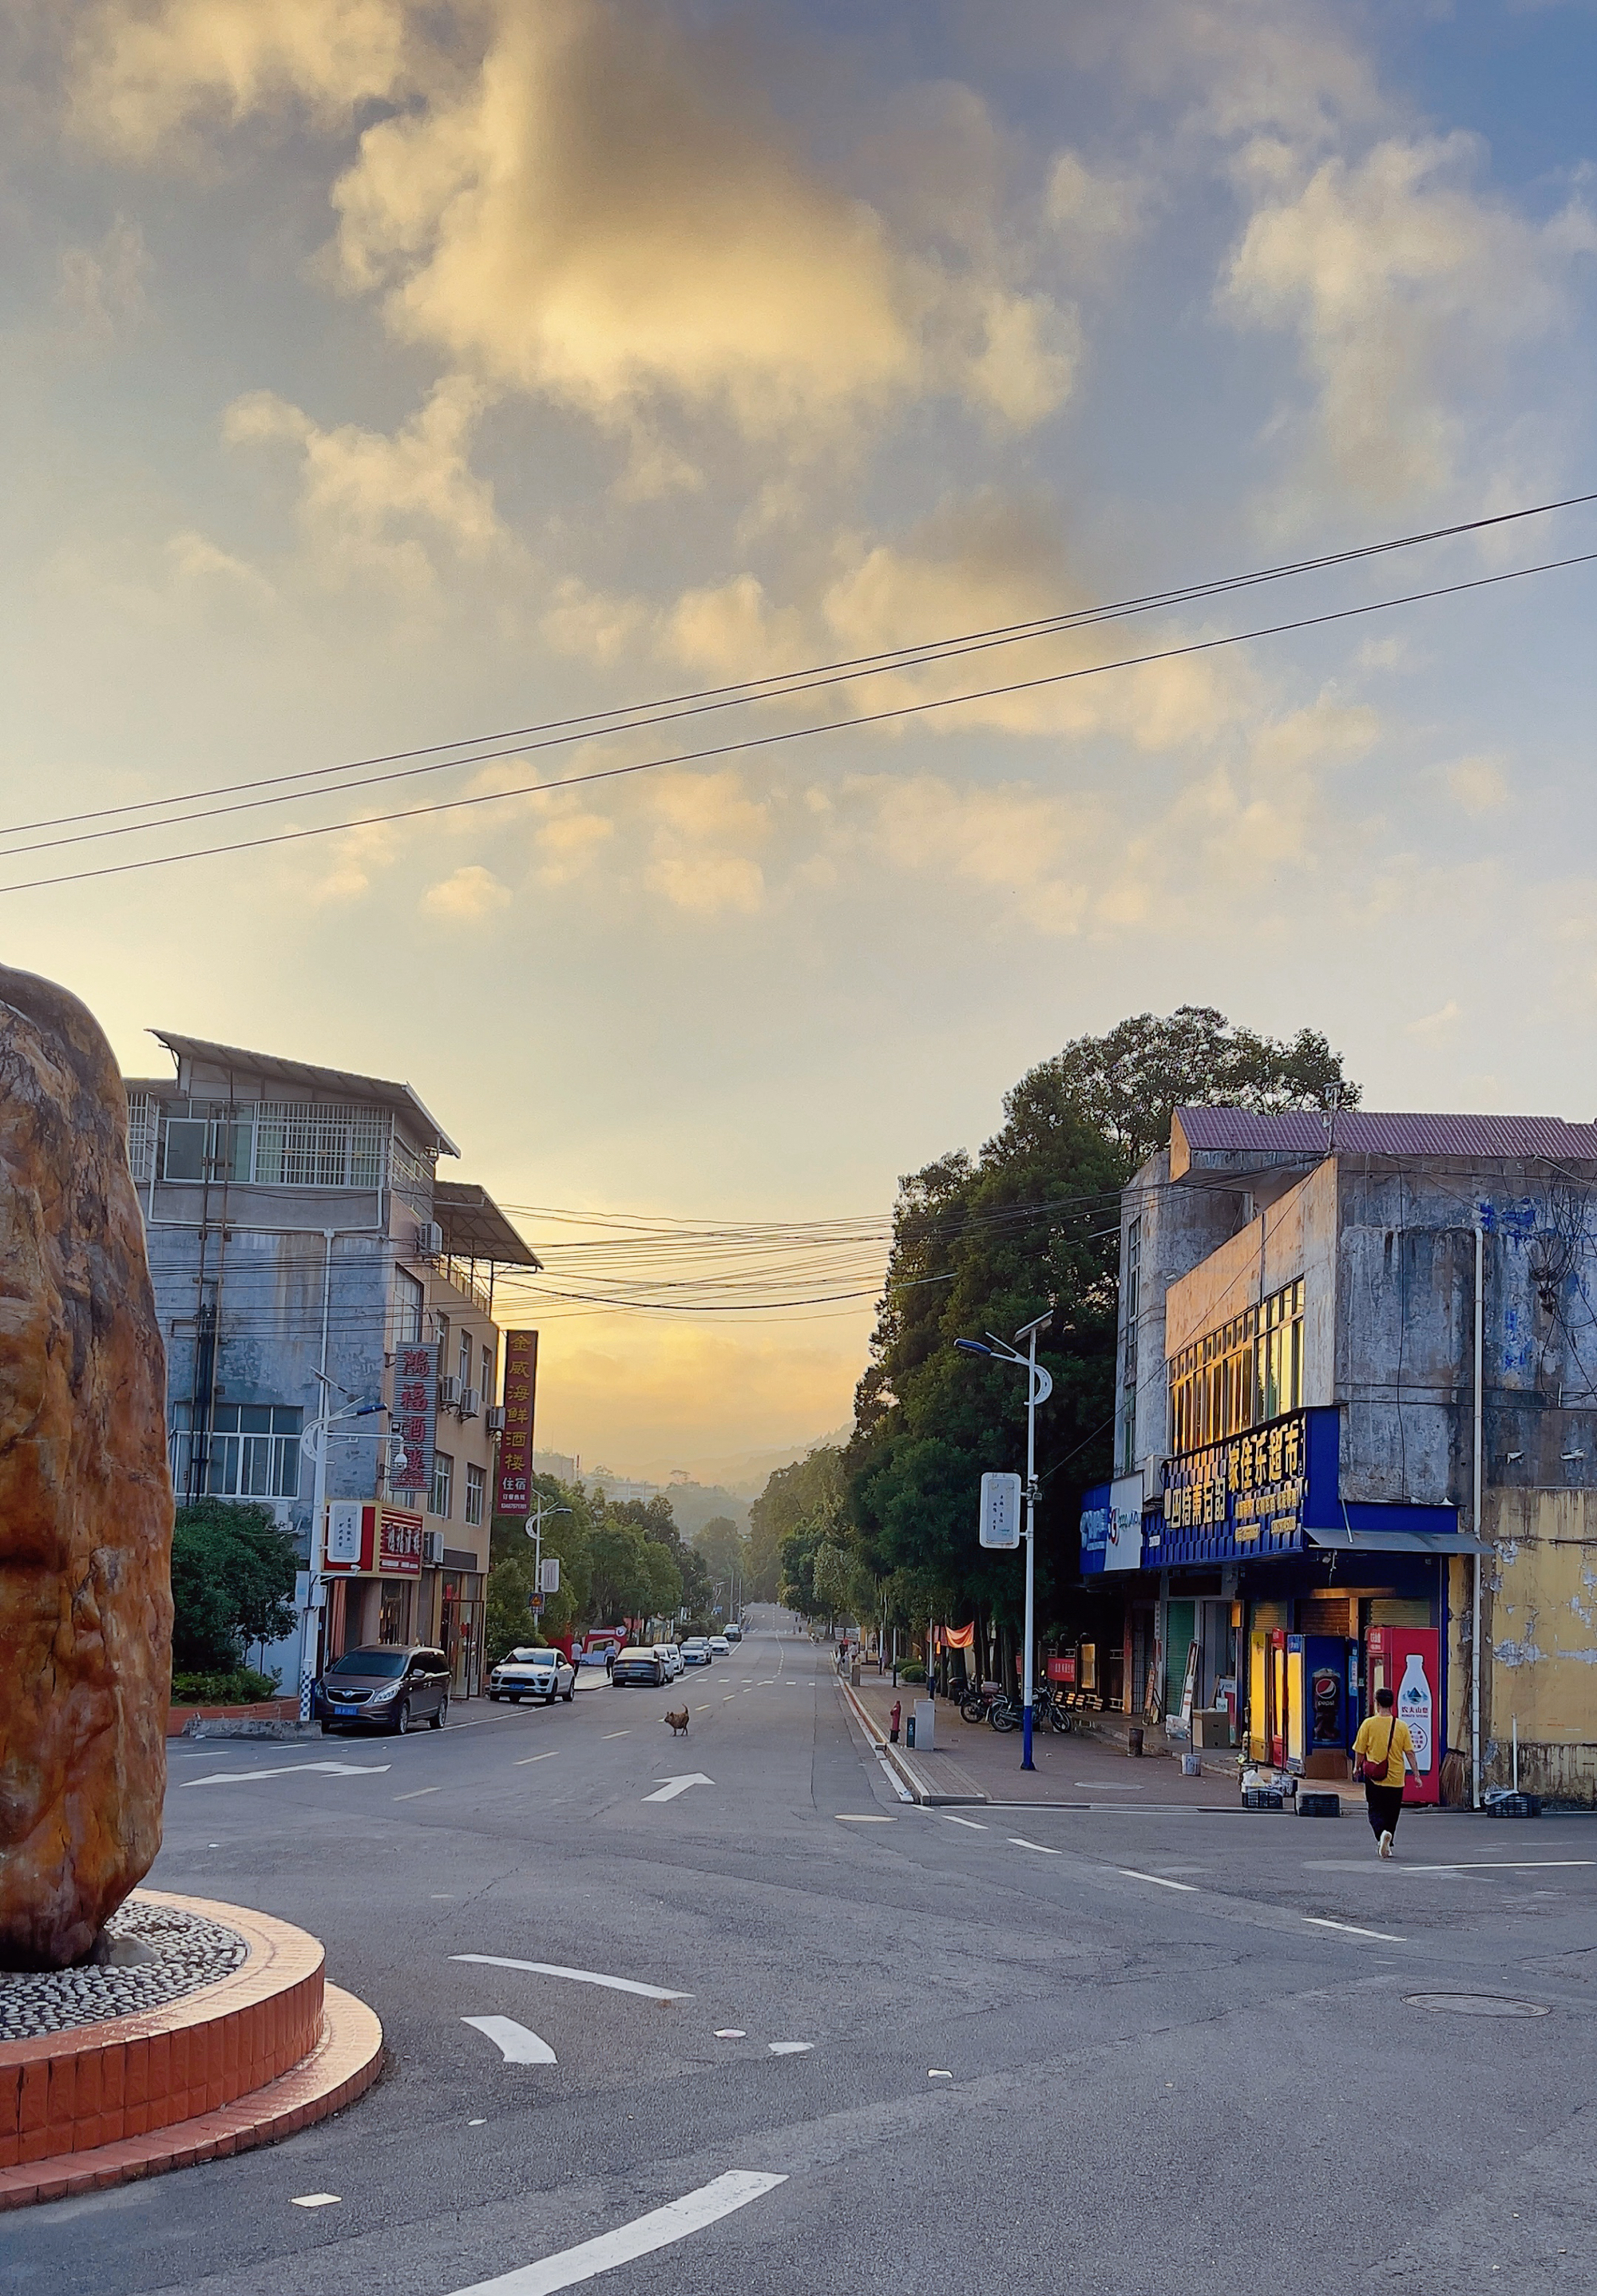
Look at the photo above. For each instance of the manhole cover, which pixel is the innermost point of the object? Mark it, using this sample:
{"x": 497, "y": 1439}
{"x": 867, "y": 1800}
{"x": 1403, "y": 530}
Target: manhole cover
{"x": 1476, "y": 2005}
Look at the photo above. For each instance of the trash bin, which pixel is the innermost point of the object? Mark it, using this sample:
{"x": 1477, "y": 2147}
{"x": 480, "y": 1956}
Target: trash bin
{"x": 909, "y": 1731}
{"x": 1134, "y": 1741}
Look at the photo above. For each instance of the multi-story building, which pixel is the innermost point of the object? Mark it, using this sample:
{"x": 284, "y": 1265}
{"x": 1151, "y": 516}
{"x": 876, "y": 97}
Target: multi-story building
{"x": 310, "y": 1267}
{"x": 1356, "y": 1441}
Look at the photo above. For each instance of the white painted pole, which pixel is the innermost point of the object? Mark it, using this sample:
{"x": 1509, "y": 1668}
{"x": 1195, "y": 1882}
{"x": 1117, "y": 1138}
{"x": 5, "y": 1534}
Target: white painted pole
{"x": 1031, "y": 1484}
{"x": 1480, "y": 1323}
{"x": 316, "y": 1553}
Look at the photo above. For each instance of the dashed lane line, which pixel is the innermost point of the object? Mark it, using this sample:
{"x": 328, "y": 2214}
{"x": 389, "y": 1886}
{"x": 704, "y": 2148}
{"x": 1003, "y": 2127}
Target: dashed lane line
{"x": 1018, "y": 1841}
{"x": 549, "y": 1756}
{"x": 974, "y": 1824}
{"x": 1352, "y": 1929}
{"x": 577, "y": 1976}
{"x": 418, "y": 1793}
{"x": 658, "y": 2229}
{"x": 1159, "y": 1880}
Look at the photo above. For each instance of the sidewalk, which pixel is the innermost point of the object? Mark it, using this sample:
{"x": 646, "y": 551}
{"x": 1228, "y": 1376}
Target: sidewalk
{"x": 971, "y": 1762}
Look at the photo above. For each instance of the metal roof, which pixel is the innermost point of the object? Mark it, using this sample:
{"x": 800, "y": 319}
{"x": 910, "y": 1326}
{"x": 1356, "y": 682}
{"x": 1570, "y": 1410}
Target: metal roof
{"x": 1399, "y": 1542}
{"x": 1367, "y": 1132}
{"x": 475, "y": 1228}
{"x": 308, "y": 1077}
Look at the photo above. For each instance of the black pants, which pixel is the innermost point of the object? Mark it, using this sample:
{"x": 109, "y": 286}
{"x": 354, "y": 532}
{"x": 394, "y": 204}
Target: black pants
{"x": 1385, "y": 1805}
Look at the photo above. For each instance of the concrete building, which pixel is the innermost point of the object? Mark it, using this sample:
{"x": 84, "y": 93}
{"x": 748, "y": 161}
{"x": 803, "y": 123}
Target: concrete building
{"x": 1358, "y": 1358}
{"x": 302, "y": 1246}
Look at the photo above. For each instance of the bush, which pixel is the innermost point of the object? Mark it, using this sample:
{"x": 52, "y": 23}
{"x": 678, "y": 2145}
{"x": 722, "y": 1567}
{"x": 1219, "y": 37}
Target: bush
{"x": 233, "y": 1584}
{"x": 912, "y": 1672}
{"x": 242, "y": 1687}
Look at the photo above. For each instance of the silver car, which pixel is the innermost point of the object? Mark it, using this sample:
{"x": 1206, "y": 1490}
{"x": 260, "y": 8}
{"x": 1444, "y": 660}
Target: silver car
{"x": 546, "y": 1674}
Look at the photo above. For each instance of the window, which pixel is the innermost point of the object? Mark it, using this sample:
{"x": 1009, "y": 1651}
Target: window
{"x": 186, "y": 1148}
{"x": 477, "y": 1486}
{"x": 443, "y": 1484}
{"x": 488, "y": 1377}
{"x": 319, "y": 1145}
{"x": 408, "y": 1297}
{"x": 254, "y": 1451}
{"x": 464, "y": 1373}
{"x": 441, "y": 1326}
{"x": 1240, "y": 1374}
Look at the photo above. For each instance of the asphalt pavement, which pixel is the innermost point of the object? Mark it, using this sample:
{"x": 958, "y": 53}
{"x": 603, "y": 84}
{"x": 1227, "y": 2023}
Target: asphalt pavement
{"x": 723, "y": 2013}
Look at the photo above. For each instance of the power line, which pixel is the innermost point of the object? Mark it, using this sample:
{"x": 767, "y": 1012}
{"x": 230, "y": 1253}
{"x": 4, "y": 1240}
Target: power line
{"x": 753, "y": 743}
{"x": 481, "y": 749}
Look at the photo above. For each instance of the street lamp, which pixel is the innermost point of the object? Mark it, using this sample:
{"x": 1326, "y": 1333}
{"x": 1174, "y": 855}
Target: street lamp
{"x": 534, "y": 1528}
{"x": 1039, "y": 1387}
{"x": 312, "y": 1444}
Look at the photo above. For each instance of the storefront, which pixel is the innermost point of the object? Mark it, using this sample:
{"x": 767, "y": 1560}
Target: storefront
{"x": 373, "y": 1572}
{"x": 1260, "y": 1610}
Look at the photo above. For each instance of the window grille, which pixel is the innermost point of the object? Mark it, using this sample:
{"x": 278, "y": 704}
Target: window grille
{"x": 411, "y": 1176}
{"x": 141, "y": 1135}
{"x": 319, "y": 1145}
{"x": 254, "y": 1451}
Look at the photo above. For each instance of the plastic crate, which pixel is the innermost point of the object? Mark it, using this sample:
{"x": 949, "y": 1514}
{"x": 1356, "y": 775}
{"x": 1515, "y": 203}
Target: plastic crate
{"x": 1319, "y": 1805}
{"x": 1262, "y": 1798}
{"x": 1515, "y": 1804}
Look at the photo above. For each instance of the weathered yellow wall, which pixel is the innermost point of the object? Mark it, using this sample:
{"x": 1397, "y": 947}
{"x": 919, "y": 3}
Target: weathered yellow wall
{"x": 1539, "y": 1617}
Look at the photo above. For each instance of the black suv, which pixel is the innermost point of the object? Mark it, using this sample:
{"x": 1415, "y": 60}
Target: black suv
{"x": 385, "y": 1686}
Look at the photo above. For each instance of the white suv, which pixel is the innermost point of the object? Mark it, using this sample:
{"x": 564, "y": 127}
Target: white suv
{"x": 673, "y": 1658}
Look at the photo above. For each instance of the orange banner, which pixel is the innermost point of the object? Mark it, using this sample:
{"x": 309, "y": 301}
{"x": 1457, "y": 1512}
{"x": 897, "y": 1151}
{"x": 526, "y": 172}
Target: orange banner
{"x": 958, "y": 1638}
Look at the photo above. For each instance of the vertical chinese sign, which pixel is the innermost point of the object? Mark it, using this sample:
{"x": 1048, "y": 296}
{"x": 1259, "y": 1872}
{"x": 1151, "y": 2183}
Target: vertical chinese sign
{"x": 513, "y": 1495}
{"x": 414, "y": 1418}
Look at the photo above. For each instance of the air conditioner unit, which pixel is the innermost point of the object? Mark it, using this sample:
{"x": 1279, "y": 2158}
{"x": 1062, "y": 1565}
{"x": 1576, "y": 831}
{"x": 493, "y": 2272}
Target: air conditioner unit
{"x": 432, "y": 1548}
{"x": 448, "y": 1394}
{"x": 430, "y": 1240}
{"x": 470, "y": 1404}
{"x": 493, "y": 1419}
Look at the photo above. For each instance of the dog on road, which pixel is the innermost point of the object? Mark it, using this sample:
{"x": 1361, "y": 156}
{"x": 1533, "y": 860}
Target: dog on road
{"x": 678, "y": 1719}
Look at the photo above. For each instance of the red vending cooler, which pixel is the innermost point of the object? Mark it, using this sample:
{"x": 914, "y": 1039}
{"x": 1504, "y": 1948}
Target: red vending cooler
{"x": 1407, "y": 1660}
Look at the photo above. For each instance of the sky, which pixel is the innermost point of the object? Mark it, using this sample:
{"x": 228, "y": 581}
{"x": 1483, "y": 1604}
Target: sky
{"x": 378, "y": 375}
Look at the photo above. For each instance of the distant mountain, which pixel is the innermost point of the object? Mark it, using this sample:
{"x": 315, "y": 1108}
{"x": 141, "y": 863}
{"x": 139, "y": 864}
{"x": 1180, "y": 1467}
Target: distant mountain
{"x": 730, "y": 1480}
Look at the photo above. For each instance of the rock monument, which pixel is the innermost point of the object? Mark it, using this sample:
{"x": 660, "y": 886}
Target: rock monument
{"x": 86, "y": 1500}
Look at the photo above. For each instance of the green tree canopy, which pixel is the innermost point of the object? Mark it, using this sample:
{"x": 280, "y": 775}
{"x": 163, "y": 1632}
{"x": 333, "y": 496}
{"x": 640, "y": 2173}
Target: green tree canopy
{"x": 233, "y": 1584}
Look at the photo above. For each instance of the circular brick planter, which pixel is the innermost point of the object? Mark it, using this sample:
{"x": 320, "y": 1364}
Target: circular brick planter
{"x": 255, "y": 2056}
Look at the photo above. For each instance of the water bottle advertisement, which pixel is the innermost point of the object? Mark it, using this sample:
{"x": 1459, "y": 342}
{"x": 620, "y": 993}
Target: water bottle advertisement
{"x": 1407, "y": 1660}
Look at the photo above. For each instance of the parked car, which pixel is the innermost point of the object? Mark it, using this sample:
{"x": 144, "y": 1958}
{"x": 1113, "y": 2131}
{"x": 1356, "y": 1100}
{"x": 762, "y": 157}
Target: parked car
{"x": 720, "y": 1645}
{"x": 640, "y": 1663}
{"x": 695, "y": 1652}
{"x": 385, "y": 1686}
{"x": 672, "y": 1659}
{"x": 546, "y": 1674}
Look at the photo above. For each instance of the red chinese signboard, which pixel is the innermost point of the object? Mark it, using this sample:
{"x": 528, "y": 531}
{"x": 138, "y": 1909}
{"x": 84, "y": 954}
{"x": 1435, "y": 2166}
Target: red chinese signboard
{"x": 513, "y": 1492}
{"x": 398, "y": 1544}
{"x": 415, "y": 1416}
{"x": 1062, "y": 1668}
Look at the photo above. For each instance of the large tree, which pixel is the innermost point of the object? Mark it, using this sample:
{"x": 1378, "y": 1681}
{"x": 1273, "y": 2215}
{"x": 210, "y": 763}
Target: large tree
{"x": 233, "y": 1584}
{"x": 984, "y": 1244}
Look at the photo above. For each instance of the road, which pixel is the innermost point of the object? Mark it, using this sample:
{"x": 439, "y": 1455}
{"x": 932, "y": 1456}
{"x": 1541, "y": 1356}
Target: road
{"x": 1182, "y": 2046}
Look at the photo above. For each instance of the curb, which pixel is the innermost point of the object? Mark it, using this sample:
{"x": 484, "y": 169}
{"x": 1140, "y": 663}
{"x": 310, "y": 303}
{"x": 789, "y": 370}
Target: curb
{"x": 921, "y": 1789}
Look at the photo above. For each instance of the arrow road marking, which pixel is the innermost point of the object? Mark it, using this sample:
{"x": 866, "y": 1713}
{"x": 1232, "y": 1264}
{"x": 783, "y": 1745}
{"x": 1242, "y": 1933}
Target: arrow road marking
{"x": 670, "y": 1788}
{"x": 328, "y": 1769}
{"x": 577, "y": 1976}
{"x": 518, "y": 2046}
{"x": 658, "y": 2229}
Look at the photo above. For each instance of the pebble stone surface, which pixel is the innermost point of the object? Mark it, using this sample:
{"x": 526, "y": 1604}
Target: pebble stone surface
{"x": 186, "y": 1952}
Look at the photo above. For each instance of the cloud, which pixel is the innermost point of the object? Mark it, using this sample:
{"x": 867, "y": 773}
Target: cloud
{"x": 143, "y": 75}
{"x": 1477, "y": 784}
{"x": 1396, "y": 278}
{"x": 1437, "y": 1024}
{"x": 371, "y": 502}
{"x": 706, "y": 834}
{"x": 468, "y": 897}
{"x": 570, "y": 845}
{"x": 101, "y": 290}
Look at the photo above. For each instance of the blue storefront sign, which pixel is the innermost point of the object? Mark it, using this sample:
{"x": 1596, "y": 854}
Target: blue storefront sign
{"x": 1263, "y": 1493}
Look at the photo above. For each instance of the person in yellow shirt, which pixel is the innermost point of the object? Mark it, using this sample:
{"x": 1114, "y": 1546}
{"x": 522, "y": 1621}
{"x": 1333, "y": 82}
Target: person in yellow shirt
{"x": 1387, "y": 1751}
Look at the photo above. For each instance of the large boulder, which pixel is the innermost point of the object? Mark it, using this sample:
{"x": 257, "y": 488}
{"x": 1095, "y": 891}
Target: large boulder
{"x": 85, "y": 1499}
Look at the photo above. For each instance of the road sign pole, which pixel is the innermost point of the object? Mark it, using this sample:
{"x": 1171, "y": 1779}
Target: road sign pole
{"x": 1031, "y": 1498}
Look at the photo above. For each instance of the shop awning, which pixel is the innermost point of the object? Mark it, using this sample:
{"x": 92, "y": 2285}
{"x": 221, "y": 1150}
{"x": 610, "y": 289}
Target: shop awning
{"x": 1399, "y": 1542}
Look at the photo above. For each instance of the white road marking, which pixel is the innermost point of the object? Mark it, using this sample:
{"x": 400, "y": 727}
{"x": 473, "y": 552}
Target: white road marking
{"x": 1106, "y": 1785}
{"x": 477, "y": 2124}
{"x": 935, "y": 2072}
{"x": 518, "y": 2046}
{"x": 767, "y": 1682}
{"x": 658, "y": 2229}
{"x": 970, "y": 1822}
{"x": 417, "y": 1793}
{"x": 701, "y": 1710}
{"x": 577, "y": 1976}
{"x": 617, "y": 1734}
{"x": 669, "y": 1788}
{"x": 316, "y": 2200}
{"x": 285, "y": 1769}
{"x": 1503, "y": 1866}
{"x": 1160, "y": 1880}
{"x": 789, "y": 2049}
{"x": 731, "y": 2033}
{"x": 549, "y": 1756}
{"x": 1322, "y": 1922}
{"x": 1018, "y": 1841}
{"x": 851, "y": 1817}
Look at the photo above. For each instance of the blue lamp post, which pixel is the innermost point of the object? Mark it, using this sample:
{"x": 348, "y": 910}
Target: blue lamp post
{"x": 1039, "y": 1387}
